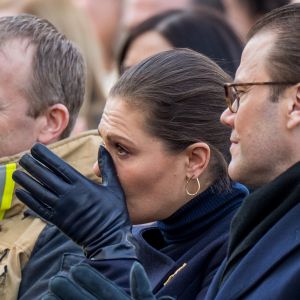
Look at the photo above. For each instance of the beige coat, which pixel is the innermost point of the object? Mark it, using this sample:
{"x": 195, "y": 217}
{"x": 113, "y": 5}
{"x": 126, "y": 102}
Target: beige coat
{"x": 18, "y": 234}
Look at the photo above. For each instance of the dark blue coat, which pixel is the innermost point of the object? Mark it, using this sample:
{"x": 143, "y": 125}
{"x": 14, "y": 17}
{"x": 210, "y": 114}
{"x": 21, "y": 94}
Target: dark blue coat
{"x": 53, "y": 253}
{"x": 264, "y": 251}
{"x": 185, "y": 267}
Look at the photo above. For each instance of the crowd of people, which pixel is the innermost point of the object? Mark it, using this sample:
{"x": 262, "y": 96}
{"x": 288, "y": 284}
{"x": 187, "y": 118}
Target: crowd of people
{"x": 149, "y": 149}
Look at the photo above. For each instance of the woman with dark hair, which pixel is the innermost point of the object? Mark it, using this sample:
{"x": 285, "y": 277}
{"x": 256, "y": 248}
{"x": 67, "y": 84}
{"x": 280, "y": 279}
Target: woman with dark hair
{"x": 164, "y": 158}
{"x": 202, "y": 30}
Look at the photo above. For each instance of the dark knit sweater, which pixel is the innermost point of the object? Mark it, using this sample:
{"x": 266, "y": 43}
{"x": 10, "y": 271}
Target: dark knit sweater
{"x": 192, "y": 221}
{"x": 195, "y": 235}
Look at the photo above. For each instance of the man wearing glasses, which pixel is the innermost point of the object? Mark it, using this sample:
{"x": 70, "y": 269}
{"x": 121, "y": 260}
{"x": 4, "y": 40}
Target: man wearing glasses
{"x": 263, "y": 259}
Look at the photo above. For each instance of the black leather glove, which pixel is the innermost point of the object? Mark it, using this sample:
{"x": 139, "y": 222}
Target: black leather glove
{"x": 86, "y": 283}
{"x": 94, "y": 216}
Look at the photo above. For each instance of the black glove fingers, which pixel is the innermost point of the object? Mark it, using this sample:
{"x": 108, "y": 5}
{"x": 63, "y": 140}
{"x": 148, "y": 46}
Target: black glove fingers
{"x": 43, "y": 174}
{"x": 139, "y": 283}
{"x": 40, "y": 208}
{"x": 53, "y": 162}
{"x": 65, "y": 289}
{"x": 35, "y": 188}
{"x": 97, "y": 284}
{"x": 107, "y": 168}
{"x": 49, "y": 296}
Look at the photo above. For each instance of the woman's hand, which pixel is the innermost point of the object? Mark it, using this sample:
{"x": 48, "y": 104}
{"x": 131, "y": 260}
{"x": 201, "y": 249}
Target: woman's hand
{"x": 94, "y": 216}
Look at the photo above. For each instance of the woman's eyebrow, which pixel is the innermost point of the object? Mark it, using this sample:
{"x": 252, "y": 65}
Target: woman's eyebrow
{"x": 113, "y": 137}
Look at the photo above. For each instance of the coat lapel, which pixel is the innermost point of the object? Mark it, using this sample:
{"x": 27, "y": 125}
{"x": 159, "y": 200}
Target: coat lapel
{"x": 270, "y": 250}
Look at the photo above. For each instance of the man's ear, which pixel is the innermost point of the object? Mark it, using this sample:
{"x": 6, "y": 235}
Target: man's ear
{"x": 55, "y": 120}
{"x": 294, "y": 108}
{"x": 198, "y": 155}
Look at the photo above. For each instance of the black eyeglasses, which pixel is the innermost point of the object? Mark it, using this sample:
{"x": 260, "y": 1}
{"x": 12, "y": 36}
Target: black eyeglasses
{"x": 232, "y": 94}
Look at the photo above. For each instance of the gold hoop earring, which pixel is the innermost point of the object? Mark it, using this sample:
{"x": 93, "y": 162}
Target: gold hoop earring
{"x": 187, "y": 186}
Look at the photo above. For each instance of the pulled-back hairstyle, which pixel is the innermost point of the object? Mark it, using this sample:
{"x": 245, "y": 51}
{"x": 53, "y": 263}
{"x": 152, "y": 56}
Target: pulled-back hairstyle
{"x": 58, "y": 72}
{"x": 182, "y": 96}
{"x": 283, "y": 62}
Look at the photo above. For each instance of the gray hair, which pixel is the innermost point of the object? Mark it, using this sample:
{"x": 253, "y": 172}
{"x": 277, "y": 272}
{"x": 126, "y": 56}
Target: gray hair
{"x": 58, "y": 71}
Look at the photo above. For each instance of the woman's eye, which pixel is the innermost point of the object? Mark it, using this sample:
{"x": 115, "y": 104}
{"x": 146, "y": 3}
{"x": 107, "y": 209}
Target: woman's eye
{"x": 121, "y": 151}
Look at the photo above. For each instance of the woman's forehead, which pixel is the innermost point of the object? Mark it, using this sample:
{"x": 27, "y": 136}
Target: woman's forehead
{"x": 120, "y": 116}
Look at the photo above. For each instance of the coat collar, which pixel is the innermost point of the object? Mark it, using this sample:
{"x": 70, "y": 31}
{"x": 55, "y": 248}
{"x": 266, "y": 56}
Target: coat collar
{"x": 261, "y": 210}
{"x": 263, "y": 232}
{"x": 274, "y": 247}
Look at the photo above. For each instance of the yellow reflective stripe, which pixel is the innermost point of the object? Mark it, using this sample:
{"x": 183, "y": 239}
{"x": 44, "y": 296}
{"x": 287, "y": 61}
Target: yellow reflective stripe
{"x": 8, "y": 189}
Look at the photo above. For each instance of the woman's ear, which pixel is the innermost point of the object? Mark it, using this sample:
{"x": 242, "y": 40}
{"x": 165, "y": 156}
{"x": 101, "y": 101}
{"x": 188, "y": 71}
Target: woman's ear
{"x": 294, "y": 108}
{"x": 198, "y": 155}
{"x": 55, "y": 120}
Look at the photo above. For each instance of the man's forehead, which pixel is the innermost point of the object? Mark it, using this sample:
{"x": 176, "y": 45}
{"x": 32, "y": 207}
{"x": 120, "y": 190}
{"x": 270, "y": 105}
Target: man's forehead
{"x": 255, "y": 57}
{"x": 21, "y": 43}
{"x": 17, "y": 51}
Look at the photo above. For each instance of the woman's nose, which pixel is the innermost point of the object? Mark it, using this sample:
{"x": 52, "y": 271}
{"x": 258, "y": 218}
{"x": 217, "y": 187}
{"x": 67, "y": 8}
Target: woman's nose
{"x": 96, "y": 169}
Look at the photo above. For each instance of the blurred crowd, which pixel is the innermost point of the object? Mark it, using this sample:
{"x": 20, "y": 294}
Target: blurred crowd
{"x": 115, "y": 34}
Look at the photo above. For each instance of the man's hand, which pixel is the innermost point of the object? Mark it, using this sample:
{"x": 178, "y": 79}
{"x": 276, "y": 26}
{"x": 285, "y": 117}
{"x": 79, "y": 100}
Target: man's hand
{"x": 94, "y": 216}
{"x": 86, "y": 283}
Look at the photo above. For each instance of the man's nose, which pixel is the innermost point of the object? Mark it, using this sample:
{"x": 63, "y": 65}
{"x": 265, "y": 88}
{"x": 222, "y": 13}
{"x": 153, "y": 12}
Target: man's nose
{"x": 227, "y": 118}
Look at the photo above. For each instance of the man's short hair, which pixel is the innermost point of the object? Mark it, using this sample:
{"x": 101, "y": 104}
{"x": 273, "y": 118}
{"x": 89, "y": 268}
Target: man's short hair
{"x": 58, "y": 71}
{"x": 284, "y": 57}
